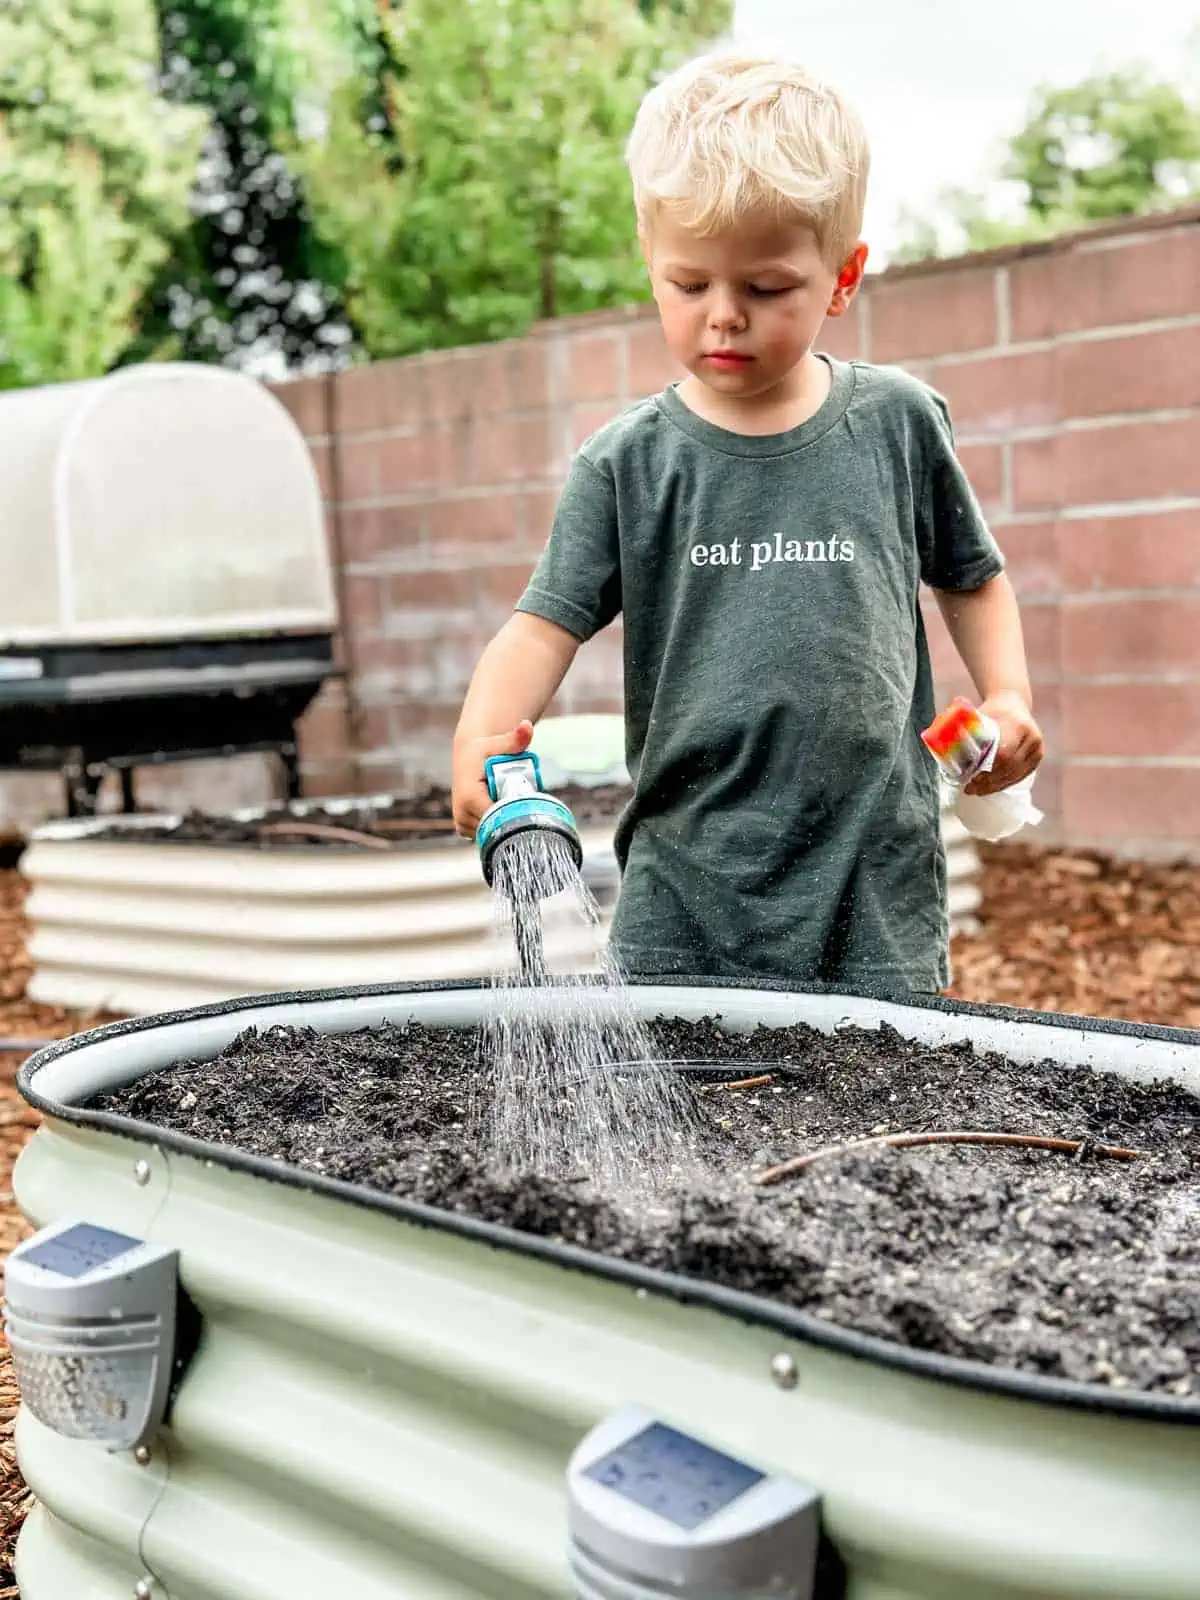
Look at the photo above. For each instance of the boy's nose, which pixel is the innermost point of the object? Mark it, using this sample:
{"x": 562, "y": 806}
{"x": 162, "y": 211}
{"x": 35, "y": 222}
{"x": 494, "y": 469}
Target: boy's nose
{"x": 725, "y": 313}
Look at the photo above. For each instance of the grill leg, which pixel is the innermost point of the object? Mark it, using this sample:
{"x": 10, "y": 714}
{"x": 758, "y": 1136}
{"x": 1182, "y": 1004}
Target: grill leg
{"x": 83, "y": 788}
{"x": 289, "y": 757}
{"x": 128, "y": 791}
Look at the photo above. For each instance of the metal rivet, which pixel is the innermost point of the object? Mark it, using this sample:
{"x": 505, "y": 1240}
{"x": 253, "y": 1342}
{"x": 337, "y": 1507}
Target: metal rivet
{"x": 783, "y": 1370}
{"x": 143, "y": 1589}
{"x": 141, "y": 1171}
{"x": 142, "y": 1455}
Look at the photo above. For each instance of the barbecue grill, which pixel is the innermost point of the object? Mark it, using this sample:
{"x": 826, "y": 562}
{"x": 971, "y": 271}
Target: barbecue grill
{"x": 168, "y": 593}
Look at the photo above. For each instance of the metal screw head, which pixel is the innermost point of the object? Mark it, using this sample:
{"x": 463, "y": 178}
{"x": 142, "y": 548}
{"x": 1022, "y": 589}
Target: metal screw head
{"x": 142, "y": 1455}
{"x": 143, "y": 1589}
{"x": 783, "y": 1370}
{"x": 141, "y": 1172}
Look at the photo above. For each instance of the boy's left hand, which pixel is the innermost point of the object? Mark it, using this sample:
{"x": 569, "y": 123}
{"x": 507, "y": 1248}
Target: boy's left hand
{"x": 1021, "y": 746}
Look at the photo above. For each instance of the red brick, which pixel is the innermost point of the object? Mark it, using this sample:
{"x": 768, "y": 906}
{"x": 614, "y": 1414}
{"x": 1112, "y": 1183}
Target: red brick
{"x": 1154, "y": 551}
{"x": 1134, "y": 461}
{"x": 324, "y": 731}
{"x": 535, "y": 455}
{"x": 325, "y": 780}
{"x": 984, "y": 466}
{"x": 1117, "y": 637}
{"x": 1035, "y": 483}
{"x": 1142, "y": 372}
{"x": 594, "y": 366}
{"x": 1105, "y": 284}
{"x": 1130, "y": 804}
{"x": 948, "y": 310}
{"x": 412, "y": 462}
{"x": 399, "y": 529}
{"x": 1132, "y": 719}
{"x": 362, "y": 603}
{"x": 475, "y": 519}
{"x": 400, "y": 398}
{"x": 422, "y": 717}
{"x": 1033, "y": 287}
{"x": 304, "y": 400}
{"x": 538, "y": 507}
{"x": 585, "y": 420}
{"x": 1107, "y": 465}
{"x": 841, "y": 337}
{"x": 528, "y": 363}
{"x": 358, "y": 468}
{"x": 491, "y": 449}
{"x": 452, "y": 388}
{"x": 358, "y": 533}
{"x": 504, "y": 583}
{"x": 998, "y": 394}
{"x": 376, "y": 729}
{"x": 358, "y": 399}
{"x": 1041, "y": 626}
{"x": 322, "y": 460}
{"x": 651, "y": 365}
{"x": 1031, "y": 554}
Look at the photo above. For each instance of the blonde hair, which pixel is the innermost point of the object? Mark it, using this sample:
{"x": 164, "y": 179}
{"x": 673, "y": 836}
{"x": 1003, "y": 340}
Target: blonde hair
{"x": 730, "y": 134}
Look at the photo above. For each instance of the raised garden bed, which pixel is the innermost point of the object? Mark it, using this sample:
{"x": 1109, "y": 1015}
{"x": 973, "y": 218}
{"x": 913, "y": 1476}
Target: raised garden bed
{"x": 352, "y": 1260}
{"x": 1076, "y": 1264}
{"x": 146, "y": 914}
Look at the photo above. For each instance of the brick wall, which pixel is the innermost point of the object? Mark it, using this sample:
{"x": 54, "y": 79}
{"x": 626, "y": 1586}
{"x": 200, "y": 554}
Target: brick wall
{"x": 1073, "y": 372}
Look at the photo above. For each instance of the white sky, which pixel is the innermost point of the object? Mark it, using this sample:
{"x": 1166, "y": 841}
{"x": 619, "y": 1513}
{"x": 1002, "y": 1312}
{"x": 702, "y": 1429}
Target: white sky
{"x": 942, "y": 83}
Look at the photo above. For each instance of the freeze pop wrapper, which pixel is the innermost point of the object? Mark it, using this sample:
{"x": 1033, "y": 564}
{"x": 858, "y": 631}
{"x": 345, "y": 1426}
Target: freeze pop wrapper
{"x": 961, "y": 741}
{"x": 964, "y": 744}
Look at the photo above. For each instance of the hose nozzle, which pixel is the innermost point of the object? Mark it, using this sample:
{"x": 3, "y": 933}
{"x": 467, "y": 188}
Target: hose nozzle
{"x": 520, "y": 805}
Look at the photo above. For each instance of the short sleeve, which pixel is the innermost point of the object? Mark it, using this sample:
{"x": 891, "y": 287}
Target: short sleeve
{"x": 577, "y": 581}
{"x": 957, "y": 549}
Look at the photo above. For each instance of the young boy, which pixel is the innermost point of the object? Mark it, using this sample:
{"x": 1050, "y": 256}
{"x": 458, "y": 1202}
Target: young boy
{"x": 763, "y": 527}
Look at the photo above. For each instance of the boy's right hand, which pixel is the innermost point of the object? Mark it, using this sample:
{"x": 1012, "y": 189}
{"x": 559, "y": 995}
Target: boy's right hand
{"x": 470, "y": 797}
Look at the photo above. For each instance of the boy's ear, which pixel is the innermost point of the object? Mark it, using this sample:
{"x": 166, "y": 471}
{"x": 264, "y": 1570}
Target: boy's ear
{"x": 849, "y": 280}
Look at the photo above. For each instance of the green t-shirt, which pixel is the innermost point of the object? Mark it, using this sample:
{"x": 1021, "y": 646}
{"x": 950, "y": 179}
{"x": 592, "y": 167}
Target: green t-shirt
{"x": 784, "y": 821}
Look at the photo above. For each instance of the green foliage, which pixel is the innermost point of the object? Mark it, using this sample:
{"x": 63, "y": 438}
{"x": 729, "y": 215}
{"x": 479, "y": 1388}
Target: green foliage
{"x": 499, "y": 193}
{"x": 95, "y": 171}
{"x": 253, "y": 284}
{"x": 1120, "y": 144}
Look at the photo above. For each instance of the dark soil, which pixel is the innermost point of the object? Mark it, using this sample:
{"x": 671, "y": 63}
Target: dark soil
{"x": 595, "y": 805}
{"x": 1077, "y": 1266}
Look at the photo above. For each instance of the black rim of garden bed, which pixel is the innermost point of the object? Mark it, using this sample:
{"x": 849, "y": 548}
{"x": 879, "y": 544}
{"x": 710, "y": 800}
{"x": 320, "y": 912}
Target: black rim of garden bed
{"x": 747, "y": 1308}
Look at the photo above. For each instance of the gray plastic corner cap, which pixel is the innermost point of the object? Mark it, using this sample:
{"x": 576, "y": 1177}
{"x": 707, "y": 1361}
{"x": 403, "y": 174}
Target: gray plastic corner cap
{"x": 765, "y": 1542}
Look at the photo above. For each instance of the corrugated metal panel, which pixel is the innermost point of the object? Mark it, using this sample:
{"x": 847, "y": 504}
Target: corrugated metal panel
{"x": 137, "y": 928}
{"x": 142, "y": 927}
{"x": 380, "y": 1408}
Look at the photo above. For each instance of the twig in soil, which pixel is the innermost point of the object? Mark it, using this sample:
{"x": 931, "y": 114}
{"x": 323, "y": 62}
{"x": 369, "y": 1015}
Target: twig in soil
{"x": 742, "y": 1083}
{"x": 415, "y": 825}
{"x": 908, "y": 1141}
{"x": 324, "y": 830}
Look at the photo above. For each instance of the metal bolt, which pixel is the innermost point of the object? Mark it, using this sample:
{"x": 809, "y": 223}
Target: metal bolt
{"x": 142, "y": 1455}
{"x": 783, "y": 1370}
{"x": 141, "y": 1172}
{"x": 143, "y": 1589}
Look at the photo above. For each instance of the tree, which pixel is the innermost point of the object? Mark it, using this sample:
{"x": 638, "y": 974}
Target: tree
{"x": 253, "y": 285}
{"x": 1119, "y": 144}
{"x": 95, "y": 170}
{"x": 498, "y": 194}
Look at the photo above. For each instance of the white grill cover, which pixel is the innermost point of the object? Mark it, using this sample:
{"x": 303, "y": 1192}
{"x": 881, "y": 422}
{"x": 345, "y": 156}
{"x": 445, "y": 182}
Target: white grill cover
{"x": 163, "y": 502}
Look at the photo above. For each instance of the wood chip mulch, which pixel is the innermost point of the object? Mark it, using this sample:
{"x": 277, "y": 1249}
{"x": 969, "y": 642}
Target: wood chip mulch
{"x": 1060, "y": 930}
